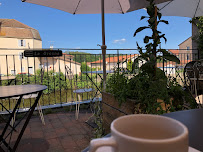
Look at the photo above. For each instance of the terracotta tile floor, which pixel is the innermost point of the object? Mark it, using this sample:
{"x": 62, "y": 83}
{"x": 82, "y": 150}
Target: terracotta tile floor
{"x": 62, "y": 133}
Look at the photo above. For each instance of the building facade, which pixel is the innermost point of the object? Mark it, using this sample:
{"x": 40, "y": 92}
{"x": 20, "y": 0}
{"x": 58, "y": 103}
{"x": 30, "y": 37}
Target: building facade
{"x": 113, "y": 62}
{"x": 15, "y": 37}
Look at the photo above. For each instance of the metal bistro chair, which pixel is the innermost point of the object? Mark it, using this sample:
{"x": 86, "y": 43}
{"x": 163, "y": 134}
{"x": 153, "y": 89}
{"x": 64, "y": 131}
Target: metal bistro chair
{"x": 34, "y": 95}
{"x": 189, "y": 75}
{"x": 193, "y": 75}
{"x": 198, "y": 80}
{"x": 77, "y": 91}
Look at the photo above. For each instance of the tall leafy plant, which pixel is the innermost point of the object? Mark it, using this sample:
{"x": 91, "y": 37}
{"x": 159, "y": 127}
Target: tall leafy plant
{"x": 152, "y": 54}
{"x": 152, "y": 90}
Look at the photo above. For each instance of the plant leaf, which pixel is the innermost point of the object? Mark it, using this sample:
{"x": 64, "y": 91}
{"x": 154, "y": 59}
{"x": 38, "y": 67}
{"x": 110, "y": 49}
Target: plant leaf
{"x": 146, "y": 39}
{"x": 166, "y": 22}
{"x": 169, "y": 56}
{"x": 140, "y": 29}
{"x": 159, "y": 15}
{"x": 143, "y": 17}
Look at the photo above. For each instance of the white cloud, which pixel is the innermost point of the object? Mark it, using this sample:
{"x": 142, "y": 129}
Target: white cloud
{"x": 77, "y": 48}
{"x": 120, "y": 41}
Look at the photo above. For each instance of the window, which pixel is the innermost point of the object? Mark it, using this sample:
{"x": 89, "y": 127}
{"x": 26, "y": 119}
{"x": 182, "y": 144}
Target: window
{"x": 188, "y": 48}
{"x": 13, "y": 72}
{"x": 22, "y": 69}
{"x": 20, "y": 55}
{"x": 187, "y": 57}
{"x": 21, "y": 43}
{"x": 46, "y": 65}
{"x": 30, "y": 70}
{"x": 41, "y": 66}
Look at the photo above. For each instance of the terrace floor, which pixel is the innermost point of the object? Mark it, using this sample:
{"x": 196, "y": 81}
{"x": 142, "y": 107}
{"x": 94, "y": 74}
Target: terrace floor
{"x": 62, "y": 133}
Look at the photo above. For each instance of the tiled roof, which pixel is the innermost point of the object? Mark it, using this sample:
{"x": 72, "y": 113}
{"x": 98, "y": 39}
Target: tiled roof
{"x": 68, "y": 58}
{"x": 11, "y": 28}
{"x": 115, "y": 59}
{"x": 175, "y": 52}
{"x": 68, "y": 55}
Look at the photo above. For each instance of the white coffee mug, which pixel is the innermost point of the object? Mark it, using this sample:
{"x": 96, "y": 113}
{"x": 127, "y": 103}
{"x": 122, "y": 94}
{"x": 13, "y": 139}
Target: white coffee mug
{"x": 145, "y": 133}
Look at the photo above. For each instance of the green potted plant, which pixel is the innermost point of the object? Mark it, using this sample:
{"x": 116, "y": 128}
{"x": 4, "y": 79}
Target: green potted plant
{"x": 150, "y": 91}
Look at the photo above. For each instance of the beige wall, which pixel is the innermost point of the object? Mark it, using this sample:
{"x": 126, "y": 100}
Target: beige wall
{"x": 56, "y": 64}
{"x": 10, "y": 58}
{"x": 187, "y": 54}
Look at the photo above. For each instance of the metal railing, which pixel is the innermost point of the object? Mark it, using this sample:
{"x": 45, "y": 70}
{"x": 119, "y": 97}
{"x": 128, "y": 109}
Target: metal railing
{"x": 52, "y": 72}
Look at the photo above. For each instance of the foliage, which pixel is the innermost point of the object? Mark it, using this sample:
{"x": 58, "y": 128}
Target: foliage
{"x": 150, "y": 55}
{"x": 83, "y": 56}
{"x": 117, "y": 85}
{"x": 129, "y": 65}
{"x": 152, "y": 90}
{"x": 198, "y": 21}
{"x": 146, "y": 92}
{"x": 53, "y": 80}
{"x": 84, "y": 67}
{"x": 99, "y": 130}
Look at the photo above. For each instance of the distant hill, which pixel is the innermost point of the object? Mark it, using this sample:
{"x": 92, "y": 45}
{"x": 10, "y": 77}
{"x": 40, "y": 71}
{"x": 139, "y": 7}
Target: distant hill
{"x": 86, "y": 57}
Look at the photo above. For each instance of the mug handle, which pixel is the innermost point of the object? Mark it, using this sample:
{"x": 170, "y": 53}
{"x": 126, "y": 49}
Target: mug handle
{"x": 96, "y": 143}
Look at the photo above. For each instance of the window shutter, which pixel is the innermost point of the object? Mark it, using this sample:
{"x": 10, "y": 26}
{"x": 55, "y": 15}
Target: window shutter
{"x": 19, "y": 43}
{"x": 24, "y": 43}
{"x": 20, "y": 56}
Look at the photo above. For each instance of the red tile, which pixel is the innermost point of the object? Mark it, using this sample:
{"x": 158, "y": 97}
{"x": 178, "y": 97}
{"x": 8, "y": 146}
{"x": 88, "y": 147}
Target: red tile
{"x": 37, "y": 134}
{"x": 54, "y": 142}
{"x": 50, "y": 135}
{"x": 61, "y": 132}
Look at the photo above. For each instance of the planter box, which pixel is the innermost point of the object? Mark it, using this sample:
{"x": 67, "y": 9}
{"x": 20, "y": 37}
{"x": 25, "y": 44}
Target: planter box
{"x": 111, "y": 109}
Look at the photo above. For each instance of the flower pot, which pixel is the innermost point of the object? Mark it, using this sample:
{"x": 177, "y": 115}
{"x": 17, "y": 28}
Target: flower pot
{"x": 111, "y": 109}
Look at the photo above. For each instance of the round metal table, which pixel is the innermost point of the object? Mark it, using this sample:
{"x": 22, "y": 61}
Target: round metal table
{"x": 17, "y": 91}
{"x": 193, "y": 119}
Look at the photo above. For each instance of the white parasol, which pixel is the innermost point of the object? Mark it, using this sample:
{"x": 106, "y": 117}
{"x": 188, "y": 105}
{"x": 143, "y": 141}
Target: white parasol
{"x": 96, "y": 7}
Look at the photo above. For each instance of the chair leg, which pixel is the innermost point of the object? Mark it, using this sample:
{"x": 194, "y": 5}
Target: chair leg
{"x": 77, "y": 105}
{"x": 40, "y": 112}
{"x": 14, "y": 117}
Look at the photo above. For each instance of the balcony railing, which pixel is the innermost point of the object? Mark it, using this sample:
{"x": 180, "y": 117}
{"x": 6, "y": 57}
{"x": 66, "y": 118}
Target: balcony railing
{"x": 63, "y": 74}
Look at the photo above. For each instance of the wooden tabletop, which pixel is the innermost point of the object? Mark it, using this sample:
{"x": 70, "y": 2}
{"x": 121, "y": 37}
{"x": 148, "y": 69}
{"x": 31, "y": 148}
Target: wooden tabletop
{"x": 17, "y": 90}
{"x": 193, "y": 119}
{"x": 7, "y": 77}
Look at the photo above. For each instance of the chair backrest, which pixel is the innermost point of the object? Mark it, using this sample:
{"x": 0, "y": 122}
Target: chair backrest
{"x": 188, "y": 73}
{"x": 198, "y": 69}
{"x": 75, "y": 83}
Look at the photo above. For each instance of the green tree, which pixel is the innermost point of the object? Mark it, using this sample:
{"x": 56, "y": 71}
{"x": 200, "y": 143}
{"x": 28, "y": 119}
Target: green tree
{"x": 84, "y": 57}
{"x": 84, "y": 67}
{"x": 129, "y": 65}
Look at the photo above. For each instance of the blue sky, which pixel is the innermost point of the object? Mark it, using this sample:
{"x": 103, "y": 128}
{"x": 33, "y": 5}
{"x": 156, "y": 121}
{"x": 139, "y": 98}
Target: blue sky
{"x": 84, "y": 31}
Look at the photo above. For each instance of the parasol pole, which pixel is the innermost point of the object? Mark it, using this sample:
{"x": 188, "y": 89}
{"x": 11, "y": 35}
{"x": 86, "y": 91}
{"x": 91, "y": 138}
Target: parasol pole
{"x": 103, "y": 47}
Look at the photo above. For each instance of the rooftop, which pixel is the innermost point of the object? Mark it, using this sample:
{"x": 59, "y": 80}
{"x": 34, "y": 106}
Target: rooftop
{"x": 11, "y": 28}
{"x": 115, "y": 59}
